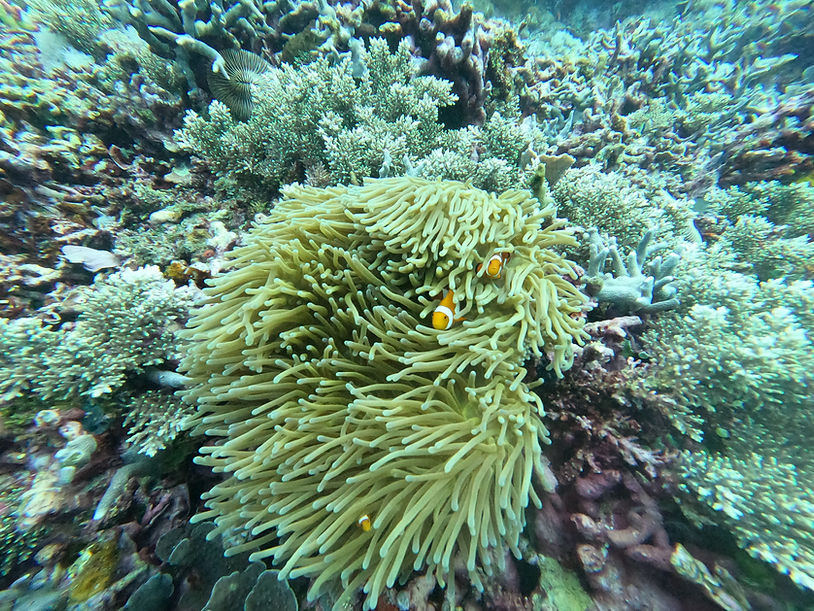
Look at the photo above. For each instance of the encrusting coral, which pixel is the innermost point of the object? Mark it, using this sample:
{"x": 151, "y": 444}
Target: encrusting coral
{"x": 359, "y": 440}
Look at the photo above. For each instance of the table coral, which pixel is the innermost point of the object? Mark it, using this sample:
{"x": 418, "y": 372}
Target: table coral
{"x": 337, "y": 404}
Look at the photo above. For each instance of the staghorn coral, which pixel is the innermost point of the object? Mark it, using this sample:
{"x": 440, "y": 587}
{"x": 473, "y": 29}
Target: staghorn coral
{"x": 334, "y": 402}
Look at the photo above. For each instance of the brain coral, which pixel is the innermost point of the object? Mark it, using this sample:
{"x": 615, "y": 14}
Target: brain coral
{"x": 358, "y": 441}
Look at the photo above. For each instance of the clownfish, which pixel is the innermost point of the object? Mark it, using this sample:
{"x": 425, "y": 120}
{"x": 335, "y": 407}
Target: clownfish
{"x": 444, "y": 314}
{"x": 364, "y": 523}
{"x": 494, "y": 266}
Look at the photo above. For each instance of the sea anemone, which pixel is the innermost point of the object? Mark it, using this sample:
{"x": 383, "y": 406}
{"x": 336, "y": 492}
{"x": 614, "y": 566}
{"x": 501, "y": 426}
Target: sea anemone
{"x": 360, "y": 443}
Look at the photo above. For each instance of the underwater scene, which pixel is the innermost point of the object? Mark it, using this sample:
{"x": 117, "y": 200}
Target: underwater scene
{"x": 406, "y": 305}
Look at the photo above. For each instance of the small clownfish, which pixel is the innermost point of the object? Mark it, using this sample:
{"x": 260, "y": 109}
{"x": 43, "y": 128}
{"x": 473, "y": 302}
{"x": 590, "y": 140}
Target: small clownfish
{"x": 444, "y": 314}
{"x": 494, "y": 266}
{"x": 364, "y": 523}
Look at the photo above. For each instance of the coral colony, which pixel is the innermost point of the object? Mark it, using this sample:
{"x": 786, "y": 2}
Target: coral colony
{"x": 406, "y": 304}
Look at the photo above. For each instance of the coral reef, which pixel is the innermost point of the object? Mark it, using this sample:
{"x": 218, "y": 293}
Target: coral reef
{"x": 316, "y": 358}
{"x": 65, "y": 122}
{"x": 125, "y": 322}
{"x": 733, "y": 371}
{"x": 615, "y": 204}
{"x": 367, "y": 375}
{"x": 320, "y": 115}
{"x": 674, "y": 97}
{"x": 153, "y": 420}
{"x": 324, "y": 119}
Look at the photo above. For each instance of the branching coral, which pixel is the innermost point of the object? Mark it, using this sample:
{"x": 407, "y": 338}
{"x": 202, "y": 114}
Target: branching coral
{"x": 323, "y": 117}
{"x": 154, "y": 420}
{"x": 679, "y": 97}
{"x": 361, "y": 441}
{"x": 768, "y": 250}
{"x": 455, "y": 45}
{"x": 616, "y": 204}
{"x": 791, "y": 205}
{"x": 126, "y": 322}
{"x": 189, "y": 30}
{"x": 320, "y": 114}
{"x": 737, "y": 376}
{"x": 758, "y": 495}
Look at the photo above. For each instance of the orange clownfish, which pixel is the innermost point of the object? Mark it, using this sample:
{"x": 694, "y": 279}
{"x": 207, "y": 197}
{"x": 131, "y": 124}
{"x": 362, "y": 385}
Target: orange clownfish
{"x": 444, "y": 314}
{"x": 494, "y": 266}
{"x": 364, "y": 523}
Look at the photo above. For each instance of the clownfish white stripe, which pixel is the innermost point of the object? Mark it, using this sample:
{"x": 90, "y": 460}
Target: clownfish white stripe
{"x": 446, "y": 312}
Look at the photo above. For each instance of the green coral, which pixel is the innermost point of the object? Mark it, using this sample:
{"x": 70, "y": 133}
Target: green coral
{"x": 562, "y": 588}
{"x": 339, "y": 399}
{"x": 384, "y": 123}
{"x": 80, "y": 21}
{"x": 153, "y": 421}
{"x": 616, "y": 206}
{"x": 734, "y": 373}
{"x": 126, "y": 322}
{"x": 762, "y": 500}
{"x": 770, "y": 225}
{"x": 768, "y": 250}
{"x": 313, "y": 113}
